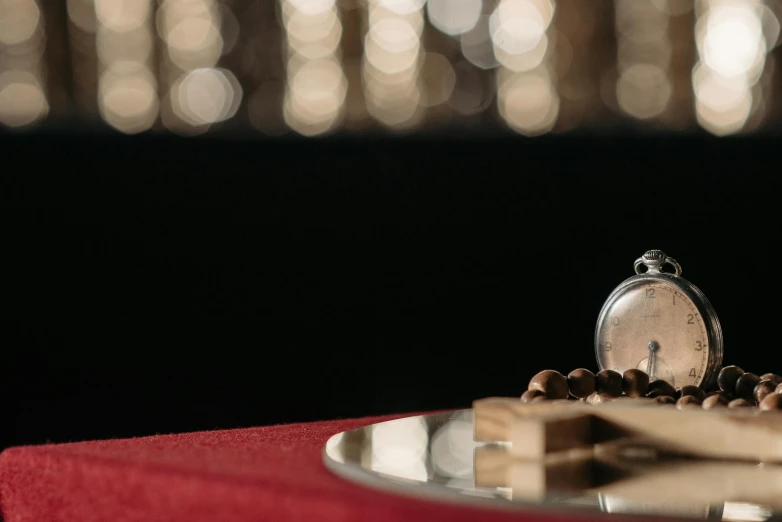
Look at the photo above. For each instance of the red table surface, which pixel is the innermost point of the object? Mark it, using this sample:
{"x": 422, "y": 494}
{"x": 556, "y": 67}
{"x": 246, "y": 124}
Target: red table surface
{"x": 253, "y": 474}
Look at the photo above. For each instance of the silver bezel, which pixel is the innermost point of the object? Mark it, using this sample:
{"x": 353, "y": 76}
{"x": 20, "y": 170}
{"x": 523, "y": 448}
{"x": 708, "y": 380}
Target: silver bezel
{"x": 712, "y": 322}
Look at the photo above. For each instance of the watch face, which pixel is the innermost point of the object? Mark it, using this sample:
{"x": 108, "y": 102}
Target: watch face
{"x": 653, "y": 325}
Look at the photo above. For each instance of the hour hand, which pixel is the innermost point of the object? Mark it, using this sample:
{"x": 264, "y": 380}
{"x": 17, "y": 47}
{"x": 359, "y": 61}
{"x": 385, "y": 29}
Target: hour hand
{"x": 650, "y": 366}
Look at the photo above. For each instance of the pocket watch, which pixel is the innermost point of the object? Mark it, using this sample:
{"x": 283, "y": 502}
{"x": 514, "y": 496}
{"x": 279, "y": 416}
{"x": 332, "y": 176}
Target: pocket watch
{"x": 660, "y": 323}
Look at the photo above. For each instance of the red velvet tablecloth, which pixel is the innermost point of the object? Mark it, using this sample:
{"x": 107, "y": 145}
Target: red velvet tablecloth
{"x": 270, "y": 473}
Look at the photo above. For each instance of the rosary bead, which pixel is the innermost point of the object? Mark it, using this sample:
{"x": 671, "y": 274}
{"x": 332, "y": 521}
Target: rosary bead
{"x": 665, "y": 399}
{"x": 745, "y": 386}
{"x": 581, "y": 383}
{"x": 763, "y": 389}
{"x": 776, "y": 379}
{"x": 727, "y": 378}
{"x": 691, "y": 390}
{"x": 772, "y": 402}
{"x": 528, "y": 395}
{"x": 779, "y": 388}
{"x": 551, "y": 383}
{"x": 688, "y": 401}
{"x": 660, "y": 388}
{"x": 635, "y": 383}
{"x": 600, "y": 398}
{"x": 539, "y": 398}
{"x": 739, "y": 403}
{"x": 716, "y": 400}
{"x": 609, "y": 382}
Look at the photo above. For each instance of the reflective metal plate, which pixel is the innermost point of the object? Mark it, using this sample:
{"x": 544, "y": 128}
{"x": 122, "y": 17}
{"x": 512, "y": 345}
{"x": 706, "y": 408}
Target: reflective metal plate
{"x": 435, "y": 456}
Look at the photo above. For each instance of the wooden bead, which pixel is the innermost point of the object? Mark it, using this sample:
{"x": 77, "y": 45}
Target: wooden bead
{"x": 665, "y": 399}
{"x": 727, "y": 378}
{"x": 599, "y": 398}
{"x": 539, "y": 398}
{"x": 581, "y": 383}
{"x": 609, "y": 382}
{"x": 551, "y": 383}
{"x": 745, "y": 386}
{"x": 763, "y": 389}
{"x": 739, "y": 403}
{"x": 688, "y": 401}
{"x": 635, "y": 383}
{"x": 691, "y": 390}
{"x": 716, "y": 400}
{"x": 660, "y": 388}
{"x": 771, "y": 377}
{"x": 528, "y": 395}
{"x": 772, "y": 402}
{"x": 779, "y": 388}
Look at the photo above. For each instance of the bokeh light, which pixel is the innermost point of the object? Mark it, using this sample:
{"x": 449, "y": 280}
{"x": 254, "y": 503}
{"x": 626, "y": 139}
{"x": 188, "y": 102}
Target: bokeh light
{"x": 643, "y": 86}
{"x": 320, "y": 66}
{"x": 527, "y": 97}
{"x": 23, "y": 96}
{"x": 732, "y": 38}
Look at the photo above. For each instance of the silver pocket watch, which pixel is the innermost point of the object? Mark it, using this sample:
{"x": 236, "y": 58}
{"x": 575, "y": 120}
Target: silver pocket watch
{"x": 662, "y": 324}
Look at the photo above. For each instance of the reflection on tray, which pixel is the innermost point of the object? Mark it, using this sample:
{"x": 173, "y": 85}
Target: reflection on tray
{"x": 436, "y": 456}
{"x": 674, "y": 487}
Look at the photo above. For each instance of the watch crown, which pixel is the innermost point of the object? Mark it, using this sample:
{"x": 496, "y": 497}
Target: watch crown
{"x": 654, "y": 261}
{"x": 655, "y": 255}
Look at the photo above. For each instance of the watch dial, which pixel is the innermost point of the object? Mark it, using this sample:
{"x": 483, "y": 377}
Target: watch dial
{"x": 655, "y": 327}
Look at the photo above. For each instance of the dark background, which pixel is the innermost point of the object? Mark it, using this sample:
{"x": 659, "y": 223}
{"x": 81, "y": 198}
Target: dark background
{"x": 156, "y": 284}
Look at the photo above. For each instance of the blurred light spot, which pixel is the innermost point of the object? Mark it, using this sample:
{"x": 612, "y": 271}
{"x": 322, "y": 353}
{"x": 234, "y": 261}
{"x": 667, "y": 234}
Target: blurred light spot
{"x": 414, "y": 19}
{"x": 190, "y": 29}
{"x": 394, "y": 107}
{"x": 399, "y": 449}
{"x": 402, "y": 6}
{"x": 312, "y": 7}
{"x": 206, "y": 96}
{"x": 393, "y": 35}
{"x": 392, "y": 48}
{"x": 315, "y": 97}
{"x": 525, "y": 61}
{"x": 732, "y": 40}
{"x": 122, "y": 15}
{"x": 133, "y": 46}
{"x": 477, "y": 46}
{"x": 439, "y": 79}
{"x": 314, "y": 39}
{"x": 194, "y": 42}
{"x": 454, "y": 17}
{"x": 722, "y": 104}
{"x": 516, "y": 26}
{"x": 311, "y": 28}
{"x": 127, "y": 96}
{"x": 393, "y": 61}
{"x": 529, "y": 103}
{"x": 19, "y": 20}
{"x": 22, "y": 101}
{"x": 643, "y": 91}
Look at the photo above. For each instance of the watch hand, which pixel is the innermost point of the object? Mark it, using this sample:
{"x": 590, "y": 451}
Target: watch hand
{"x": 650, "y": 364}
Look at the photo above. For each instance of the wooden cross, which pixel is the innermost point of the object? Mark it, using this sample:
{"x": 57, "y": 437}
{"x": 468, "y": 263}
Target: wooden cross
{"x": 566, "y": 446}
{"x": 535, "y": 430}
{"x": 682, "y": 482}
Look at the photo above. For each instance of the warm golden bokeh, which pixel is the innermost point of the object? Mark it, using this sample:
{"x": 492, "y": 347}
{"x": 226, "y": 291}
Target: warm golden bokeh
{"x": 320, "y": 66}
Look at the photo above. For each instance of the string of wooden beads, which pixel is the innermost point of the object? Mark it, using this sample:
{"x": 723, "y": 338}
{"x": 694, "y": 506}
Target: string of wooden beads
{"x": 737, "y": 389}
